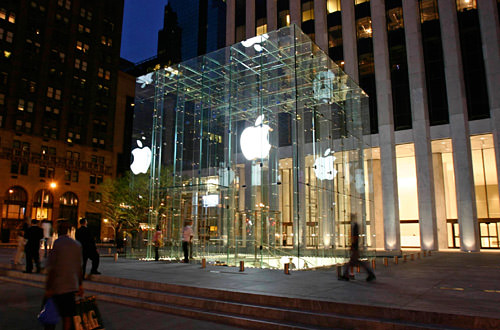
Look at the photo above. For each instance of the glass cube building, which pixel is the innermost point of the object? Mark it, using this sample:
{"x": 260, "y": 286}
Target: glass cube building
{"x": 261, "y": 145}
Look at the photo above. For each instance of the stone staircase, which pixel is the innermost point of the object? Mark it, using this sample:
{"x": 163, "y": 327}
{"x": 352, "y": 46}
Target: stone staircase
{"x": 248, "y": 310}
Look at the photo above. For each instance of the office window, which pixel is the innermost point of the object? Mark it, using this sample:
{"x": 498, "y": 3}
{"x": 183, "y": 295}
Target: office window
{"x": 364, "y": 27}
{"x": 307, "y": 11}
{"x": 51, "y": 172}
{"x": 43, "y": 171}
{"x": 9, "y": 36}
{"x": 3, "y": 13}
{"x": 428, "y": 10}
{"x": 464, "y": 5}
{"x": 332, "y": 6}
{"x": 12, "y": 18}
{"x": 92, "y": 179}
{"x": 20, "y": 105}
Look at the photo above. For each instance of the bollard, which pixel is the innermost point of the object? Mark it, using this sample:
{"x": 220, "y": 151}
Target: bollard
{"x": 386, "y": 262}
{"x": 412, "y": 257}
{"x": 351, "y": 272}
{"x": 109, "y": 250}
{"x": 116, "y": 257}
{"x": 396, "y": 260}
{"x": 425, "y": 253}
{"x": 373, "y": 264}
{"x": 203, "y": 263}
{"x": 242, "y": 266}
{"x": 429, "y": 253}
{"x": 357, "y": 269}
{"x": 287, "y": 268}
{"x": 404, "y": 258}
{"x": 339, "y": 271}
{"x": 418, "y": 255}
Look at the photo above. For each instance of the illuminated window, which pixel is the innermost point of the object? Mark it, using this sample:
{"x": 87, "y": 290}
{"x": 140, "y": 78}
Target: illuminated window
{"x": 395, "y": 19}
{"x": 57, "y": 94}
{"x": 283, "y": 18}
{"x": 107, "y": 75}
{"x": 12, "y": 18}
{"x": 428, "y": 10}
{"x": 20, "y": 105}
{"x": 408, "y": 196}
{"x": 3, "y": 13}
{"x": 29, "y": 106}
{"x": 332, "y": 6}
{"x": 364, "y": 27}
{"x": 100, "y": 72}
{"x": 485, "y": 176}
{"x": 464, "y": 5}
{"x": 360, "y": 1}
{"x": 335, "y": 36}
{"x": 9, "y": 37}
{"x": 1, "y": 33}
{"x": 307, "y": 11}
{"x": 77, "y": 63}
{"x": 261, "y": 26}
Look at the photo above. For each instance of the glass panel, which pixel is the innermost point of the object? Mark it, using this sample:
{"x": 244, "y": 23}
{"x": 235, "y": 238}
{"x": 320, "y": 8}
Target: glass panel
{"x": 407, "y": 182}
{"x": 443, "y": 150}
{"x": 332, "y": 6}
{"x": 268, "y": 153}
{"x": 410, "y": 235}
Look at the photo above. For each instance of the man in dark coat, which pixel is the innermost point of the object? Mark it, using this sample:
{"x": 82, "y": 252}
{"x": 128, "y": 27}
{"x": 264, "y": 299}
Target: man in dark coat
{"x": 32, "y": 248}
{"x": 89, "y": 249}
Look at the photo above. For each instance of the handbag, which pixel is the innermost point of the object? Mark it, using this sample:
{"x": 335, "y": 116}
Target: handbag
{"x": 87, "y": 315}
{"x": 49, "y": 313}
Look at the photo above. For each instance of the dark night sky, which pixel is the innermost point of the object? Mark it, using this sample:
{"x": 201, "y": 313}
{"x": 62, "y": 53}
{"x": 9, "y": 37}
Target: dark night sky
{"x": 141, "y": 21}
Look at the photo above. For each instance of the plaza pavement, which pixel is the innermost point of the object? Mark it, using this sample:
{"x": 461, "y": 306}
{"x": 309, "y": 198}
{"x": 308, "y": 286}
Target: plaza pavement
{"x": 465, "y": 284}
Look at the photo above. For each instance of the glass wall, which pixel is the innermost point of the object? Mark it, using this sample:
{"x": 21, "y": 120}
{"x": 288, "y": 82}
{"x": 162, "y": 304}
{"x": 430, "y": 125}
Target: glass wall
{"x": 269, "y": 157}
{"x": 408, "y": 195}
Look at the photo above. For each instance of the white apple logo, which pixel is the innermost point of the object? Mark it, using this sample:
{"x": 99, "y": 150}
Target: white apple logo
{"x": 323, "y": 166}
{"x": 142, "y": 159}
{"x": 255, "y": 42}
{"x": 254, "y": 141}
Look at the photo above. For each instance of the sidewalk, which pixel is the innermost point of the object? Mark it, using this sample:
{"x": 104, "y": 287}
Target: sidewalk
{"x": 446, "y": 282}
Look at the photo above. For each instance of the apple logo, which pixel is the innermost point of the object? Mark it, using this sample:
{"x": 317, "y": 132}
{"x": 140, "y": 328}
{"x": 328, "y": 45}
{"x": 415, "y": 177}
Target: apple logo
{"x": 145, "y": 79}
{"x": 142, "y": 159}
{"x": 323, "y": 166}
{"x": 255, "y": 42}
{"x": 254, "y": 141}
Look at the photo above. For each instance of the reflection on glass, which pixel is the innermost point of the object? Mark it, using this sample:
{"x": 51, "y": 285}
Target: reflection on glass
{"x": 395, "y": 19}
{"x": 364, "y": 27}
{"x": 428, "y": 10}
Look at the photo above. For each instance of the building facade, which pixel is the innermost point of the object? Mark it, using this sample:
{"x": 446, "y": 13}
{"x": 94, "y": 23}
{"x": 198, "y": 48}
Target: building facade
{"x": 431, "y": 69}
{"x": 61, "y": 122}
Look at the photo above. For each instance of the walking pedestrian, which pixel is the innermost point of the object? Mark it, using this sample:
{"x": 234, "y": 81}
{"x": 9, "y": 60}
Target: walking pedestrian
{"x": 32, "y": 249}
{"x": 64, "y": 275}
{"x": 21, "y": 241}
{"x": 157, "y": 242}
{"x": 354, "y": 259}
{"x": 47, "y": 233}
{"x": 187, "y": 236}
{"x": 89, "y": 249}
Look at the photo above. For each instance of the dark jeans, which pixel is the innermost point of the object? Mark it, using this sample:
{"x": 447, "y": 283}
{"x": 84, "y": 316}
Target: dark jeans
{"x": 32, "y": 254}
{"x": 185, "y": 248}
{"x": 92, "y": 255}
{"x": 157, "y": 255}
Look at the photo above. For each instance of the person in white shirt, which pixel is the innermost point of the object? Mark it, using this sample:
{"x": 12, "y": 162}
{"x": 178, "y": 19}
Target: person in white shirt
{"x": 187, "y": 236}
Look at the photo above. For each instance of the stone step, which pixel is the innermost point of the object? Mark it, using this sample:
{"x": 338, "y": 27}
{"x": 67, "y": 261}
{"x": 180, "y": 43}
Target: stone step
{"x": 251, "y": 309}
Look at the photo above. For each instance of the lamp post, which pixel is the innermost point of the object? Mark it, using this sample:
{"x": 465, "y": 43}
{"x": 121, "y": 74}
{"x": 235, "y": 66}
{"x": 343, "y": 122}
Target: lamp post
{"x": 52, "y": 185}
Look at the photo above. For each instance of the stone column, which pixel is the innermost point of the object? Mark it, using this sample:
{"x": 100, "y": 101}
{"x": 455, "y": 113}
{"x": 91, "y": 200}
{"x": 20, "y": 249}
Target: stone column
{"x": 295, "y": 12}
{"x": 272, "y": 15}
{"x": 250, "y": 19}
{"x": 349, "y": 40}
{"x": 490, "y": 35}
{"x": 439, "y": 190}
{"x": 421, "y": 131}
{"x": 320, "y": 25}
{"x": 385, "y": 127}
{"x": 230, "y": 22}
{"x": 459, "y": 127}
{"x": 378, "y": 216}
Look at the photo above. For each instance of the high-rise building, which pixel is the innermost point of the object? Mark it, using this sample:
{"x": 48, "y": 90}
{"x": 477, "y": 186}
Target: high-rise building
{"x": 198, "y": 27}
{"x": 61, "y": 122}
{"x": 431, "y": 70}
